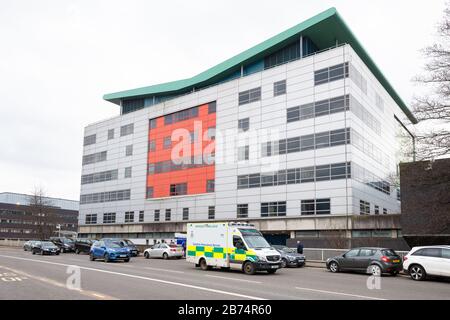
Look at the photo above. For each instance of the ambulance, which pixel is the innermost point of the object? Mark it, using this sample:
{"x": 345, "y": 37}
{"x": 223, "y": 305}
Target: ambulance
{"x": 230, "y": 245}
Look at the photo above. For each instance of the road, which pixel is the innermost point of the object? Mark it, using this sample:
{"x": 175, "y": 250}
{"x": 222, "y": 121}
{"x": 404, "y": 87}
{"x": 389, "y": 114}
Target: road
{"x": 27, "y": 276}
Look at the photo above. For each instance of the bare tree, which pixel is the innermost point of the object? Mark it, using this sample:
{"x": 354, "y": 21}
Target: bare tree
{"x": 434, "y": 108}
{"x": 43, "y": 213}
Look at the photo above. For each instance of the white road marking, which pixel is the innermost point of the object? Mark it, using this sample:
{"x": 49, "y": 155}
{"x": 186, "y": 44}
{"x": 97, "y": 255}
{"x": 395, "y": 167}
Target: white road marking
{"x": 164, "y": 270}
{"x": 226, "y": 278}
{"x": 145, "y": 278}
{"x": 58, "y": 284}
{"x": 339, "y": 293}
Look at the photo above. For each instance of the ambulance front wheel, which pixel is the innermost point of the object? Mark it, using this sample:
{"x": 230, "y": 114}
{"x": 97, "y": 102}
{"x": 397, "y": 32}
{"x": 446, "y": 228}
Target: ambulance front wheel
{"x": 249, "y": 268}
{"x": 203, "y": 265}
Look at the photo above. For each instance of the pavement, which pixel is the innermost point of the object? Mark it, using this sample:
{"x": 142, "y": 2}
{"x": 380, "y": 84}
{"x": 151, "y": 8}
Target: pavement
{"x": 74, "y": 277}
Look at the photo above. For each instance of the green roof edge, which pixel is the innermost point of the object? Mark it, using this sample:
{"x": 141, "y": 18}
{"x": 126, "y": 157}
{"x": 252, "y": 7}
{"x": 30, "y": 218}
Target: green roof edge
{"x": 259, "y": 49}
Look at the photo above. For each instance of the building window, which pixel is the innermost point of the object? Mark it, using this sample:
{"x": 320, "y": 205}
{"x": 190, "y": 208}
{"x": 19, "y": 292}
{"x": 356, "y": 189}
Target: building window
{"x": 99, "y": 177}
{"x": 149, "y": 192}
{"x": 364, "y": 207}
{"x": 129, "y": 150}
{"x": 242, "y": 211}
{"x": 167, "y": 142}
{"x": 211, "y": 212}
{"x": 151, "y": 145}
{"x": 141, "y": 216}
{"x": 273, "y": 209}
{"x": 279, "y": 88}
{"x": 185, "y": 213}
{"x": 385, "y": 211}
{"x": 110, "y": 134}
{"x": 315, "y": 206}
{"x": 129, "y": 216}
{"x": 109, "y": 217}
{"x": 156, "y": 215}
{"x": 94, "y": 158}
{"x": 168, "y": 214}
{"x": 243, "y": 124}
{"x": 243, "y": 153}
{"x": 330, "y": 74}
{"x": 212, "y": 107}
{"x": 109, "y": 196}
{"x": 152, "y": 123}
{"x": 181, "y": 116}
{"x": 249, "y": 96}
{"x": 178, "y": 189}
{"x": 127, "y": 129}
{"x": 127, "y": 172}
{"x": 319, "y": 108}
{"x": 210, "y": 184}
{"x": 377, "y": 210}
{"x": 211, "y": 133}
{"x": 91, "y": 219}
{"x": 89, "y": 140}
{"x": 358, "y": 79}
{"x": 379, "y": 101}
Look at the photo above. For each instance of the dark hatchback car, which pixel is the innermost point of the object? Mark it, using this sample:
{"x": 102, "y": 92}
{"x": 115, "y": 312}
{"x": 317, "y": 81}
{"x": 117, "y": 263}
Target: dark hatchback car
{"x": 45, "y": 247}
{"x": 290, "y": 257}
{"x": 370, "y": 260}
{"x": 83, "y": 245}
{"x": 64, "y": 244}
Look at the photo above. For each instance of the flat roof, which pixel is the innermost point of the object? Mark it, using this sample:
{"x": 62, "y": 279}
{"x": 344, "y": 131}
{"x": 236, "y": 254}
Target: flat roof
{"x": 24, "y": 200}
{"x": 325, "y": 30}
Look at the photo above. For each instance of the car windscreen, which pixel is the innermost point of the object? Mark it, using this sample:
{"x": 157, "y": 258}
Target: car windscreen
{"x": 389, "y": 252}
{"x": 67, "y": 241}
{"x": 47, "y": 244}
{"x": 256, "y": 241}
{"x": 287, "y": 250}
{"x": 113, "y": 244}
{"x": 128, "y": 242}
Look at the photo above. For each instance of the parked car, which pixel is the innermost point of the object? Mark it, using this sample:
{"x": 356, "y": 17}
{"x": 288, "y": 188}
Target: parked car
{"x": 133, "y": 249}
{"x": 83, "y": 245}
{"x": 164, "y": 250}
{"x": 422, "y": 262}
{"x": 290, "y": 257}
{"x": 109, "y": 250}
{"x": 28, "y": 246}
{"x": 45, "y": 247}
{"x": 370, "y": 260}
{"x": 64, "y": 244}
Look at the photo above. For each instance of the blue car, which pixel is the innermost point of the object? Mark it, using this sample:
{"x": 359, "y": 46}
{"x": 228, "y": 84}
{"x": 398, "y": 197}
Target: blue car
{"x": 109, "y": 250}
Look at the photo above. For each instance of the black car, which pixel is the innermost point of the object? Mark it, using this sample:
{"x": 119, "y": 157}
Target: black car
{"x": 64, "y": 244}
{"x": 83, "y": 245}
{"x": 370, "y": 260}
{"x": 28, "y": 246}
{"x": 290, "y": 257}
{"x": 134, "y": 251}
{"x": 45, "y": 247}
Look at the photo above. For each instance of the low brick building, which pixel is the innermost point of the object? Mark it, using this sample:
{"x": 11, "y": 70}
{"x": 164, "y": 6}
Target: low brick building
{"x": 425, "y": 201}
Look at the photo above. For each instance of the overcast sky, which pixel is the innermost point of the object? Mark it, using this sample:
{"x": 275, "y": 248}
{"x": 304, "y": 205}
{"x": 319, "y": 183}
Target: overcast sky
{"x": 57, "y": 59}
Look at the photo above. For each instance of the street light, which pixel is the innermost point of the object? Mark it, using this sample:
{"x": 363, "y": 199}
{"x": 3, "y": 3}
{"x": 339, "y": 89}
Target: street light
{"x": 58, "y": 226}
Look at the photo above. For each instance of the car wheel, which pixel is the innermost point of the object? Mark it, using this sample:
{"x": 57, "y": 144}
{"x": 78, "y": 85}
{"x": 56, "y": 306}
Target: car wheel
{"x": 334, "y": 267}
{"x": 146, "y": 255}
{"x": 106, "y": 257}
{"x": 77, "y": 251}
{"x": 417, "y": 272}
{"x": 91, "y": 257}
{"x": 127, "y": 260}
{"x": 249, "y": 268}
{"x": 33, "y": 252}
{"x": 375, "y": 270}
{"x": 165, "y": 256}
{"x": 283, "y": 263}
{"x": 42, "y": 252}
{"x": 203, "y": 265}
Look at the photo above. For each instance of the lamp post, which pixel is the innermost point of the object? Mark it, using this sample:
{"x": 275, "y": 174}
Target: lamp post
{"x": 58, "y": 226}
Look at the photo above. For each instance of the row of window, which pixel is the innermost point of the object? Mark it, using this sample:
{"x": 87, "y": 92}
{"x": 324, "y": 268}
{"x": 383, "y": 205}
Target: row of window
{"x": 364, "y": 208}
{"x": 294, "y": 176}
{"x": 184, "y": 163}
{"x": 94, "y": 158}
{"x": 252, "y": 95}
{"x": 193, "y": 137}
{"x": 358, "y": 79}
{"x": 369, "y": 149}
{"x": 110, "y": 217}
{"x": 180, "y": 189}
{"x": 308, "y": 142}
{"x": 365, "y": 176}
{"x": 100, "y": 176}
{"x": 365, "y": 116}
{"x": 124, "y": 131}
{"x": 88, "y": 140}
{"x": 332, "y": 73}
{"x": 319, "y": 108}
{"x": 109, "y": 196}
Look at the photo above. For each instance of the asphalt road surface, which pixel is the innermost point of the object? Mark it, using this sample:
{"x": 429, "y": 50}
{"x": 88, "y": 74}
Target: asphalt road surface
{"x": 71, "y": 276}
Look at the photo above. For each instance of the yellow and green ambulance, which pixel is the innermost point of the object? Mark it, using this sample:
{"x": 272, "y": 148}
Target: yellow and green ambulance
{"x": 230, "y": 245}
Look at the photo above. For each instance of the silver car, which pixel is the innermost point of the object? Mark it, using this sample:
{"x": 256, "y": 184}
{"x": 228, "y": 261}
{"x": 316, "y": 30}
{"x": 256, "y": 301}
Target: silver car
{"x": 289, "y": 257}
{"x": 164, "y": 250}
